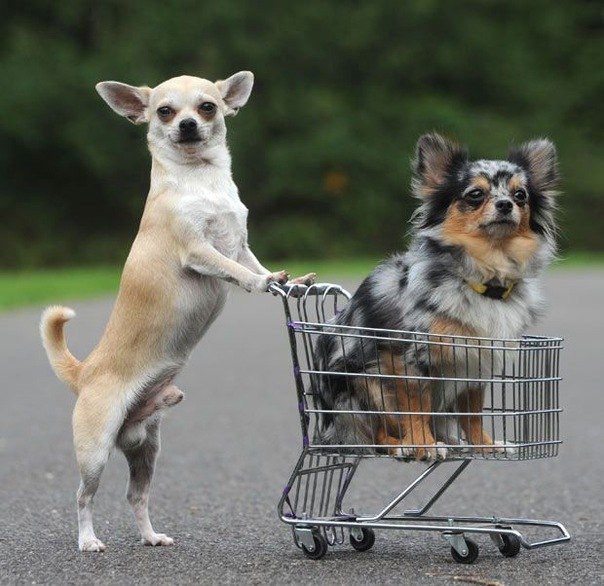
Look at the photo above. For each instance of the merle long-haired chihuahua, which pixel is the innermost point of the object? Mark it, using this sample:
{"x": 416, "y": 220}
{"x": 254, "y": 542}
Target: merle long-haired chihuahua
{"x": 482, "y": 235}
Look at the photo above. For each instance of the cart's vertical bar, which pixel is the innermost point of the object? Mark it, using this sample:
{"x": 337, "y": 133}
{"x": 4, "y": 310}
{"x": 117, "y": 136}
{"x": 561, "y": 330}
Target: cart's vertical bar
{"x": 540, "y": 401}
{"x": 504, "y": 374}
{"x": 515, "y": 386}
{"x": 557, "y": 403}
{"x": 291, "y": 330}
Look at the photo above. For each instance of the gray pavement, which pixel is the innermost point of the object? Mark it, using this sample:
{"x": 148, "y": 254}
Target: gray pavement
{"x": 228, "y": 450}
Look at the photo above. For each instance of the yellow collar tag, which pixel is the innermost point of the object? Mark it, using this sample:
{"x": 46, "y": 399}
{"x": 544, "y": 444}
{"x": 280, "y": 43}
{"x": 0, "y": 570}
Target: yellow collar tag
{"x": 492, "y": 291}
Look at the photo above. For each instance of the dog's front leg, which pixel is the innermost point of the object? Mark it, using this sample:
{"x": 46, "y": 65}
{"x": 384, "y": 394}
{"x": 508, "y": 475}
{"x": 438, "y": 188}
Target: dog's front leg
{"x": 248, "y": 259}
{"x": 471, "y": 402}
{"x": 206, "y": 260}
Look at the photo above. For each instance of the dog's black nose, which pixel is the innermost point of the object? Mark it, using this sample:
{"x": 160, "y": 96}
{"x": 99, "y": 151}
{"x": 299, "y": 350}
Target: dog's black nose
{"x": 504, "y": 206}
{"x": 187, "y": 125}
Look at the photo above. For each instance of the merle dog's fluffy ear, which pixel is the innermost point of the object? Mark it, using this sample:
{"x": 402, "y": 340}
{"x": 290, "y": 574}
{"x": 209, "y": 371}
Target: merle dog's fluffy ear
{"x": 436, "y": 158}
{"x": 539, "y": 159}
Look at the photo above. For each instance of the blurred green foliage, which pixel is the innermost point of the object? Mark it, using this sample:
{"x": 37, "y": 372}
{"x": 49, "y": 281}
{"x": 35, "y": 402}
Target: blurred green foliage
{"x": 343, "y": 90}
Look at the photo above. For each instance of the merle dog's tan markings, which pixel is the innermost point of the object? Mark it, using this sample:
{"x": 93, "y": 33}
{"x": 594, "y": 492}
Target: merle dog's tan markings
{"x": 482, "y": 235}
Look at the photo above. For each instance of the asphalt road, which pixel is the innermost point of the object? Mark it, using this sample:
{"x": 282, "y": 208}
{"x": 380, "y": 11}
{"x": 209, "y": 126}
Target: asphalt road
{"x": 228, "y": 450}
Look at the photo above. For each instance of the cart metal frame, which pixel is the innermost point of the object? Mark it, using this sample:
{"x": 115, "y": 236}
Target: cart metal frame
{"x": 522, "y": 408}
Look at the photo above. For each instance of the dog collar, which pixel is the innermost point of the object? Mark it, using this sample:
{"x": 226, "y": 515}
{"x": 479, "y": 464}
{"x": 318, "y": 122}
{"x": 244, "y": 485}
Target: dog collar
{"x": 491, "y": 291}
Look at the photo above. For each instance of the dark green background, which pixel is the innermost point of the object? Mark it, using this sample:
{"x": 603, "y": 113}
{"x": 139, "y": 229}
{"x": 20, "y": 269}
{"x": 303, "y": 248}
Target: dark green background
{"x": 321, "y": 152}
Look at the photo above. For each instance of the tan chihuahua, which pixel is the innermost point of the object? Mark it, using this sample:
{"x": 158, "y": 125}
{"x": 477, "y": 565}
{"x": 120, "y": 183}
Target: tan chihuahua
{"x": 191, "y": 243}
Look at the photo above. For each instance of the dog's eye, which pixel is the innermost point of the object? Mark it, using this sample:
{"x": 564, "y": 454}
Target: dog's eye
{"x": 164, "y": 111}
{"x": 207, "y": 107}
{"x": 475, "y": 195}
{"x": 520, "y": 196}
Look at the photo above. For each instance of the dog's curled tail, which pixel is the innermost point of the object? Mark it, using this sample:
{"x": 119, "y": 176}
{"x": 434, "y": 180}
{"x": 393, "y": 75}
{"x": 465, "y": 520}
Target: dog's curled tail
{"x": 64, "y": 363}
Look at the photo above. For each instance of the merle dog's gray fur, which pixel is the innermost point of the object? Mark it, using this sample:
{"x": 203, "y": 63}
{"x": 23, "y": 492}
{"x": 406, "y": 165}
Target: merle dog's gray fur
{"x": 409, "y": 289}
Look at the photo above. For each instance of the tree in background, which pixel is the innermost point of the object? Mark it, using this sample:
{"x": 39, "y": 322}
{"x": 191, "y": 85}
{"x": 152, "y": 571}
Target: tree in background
{"x": 343, "y": 90}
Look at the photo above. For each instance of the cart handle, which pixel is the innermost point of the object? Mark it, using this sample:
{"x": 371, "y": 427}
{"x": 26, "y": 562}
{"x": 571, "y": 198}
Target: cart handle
{"x": 296, "y": 290}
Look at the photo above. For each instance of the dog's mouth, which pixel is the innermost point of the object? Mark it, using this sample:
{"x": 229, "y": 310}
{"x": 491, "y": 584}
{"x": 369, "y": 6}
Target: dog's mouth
{"x": 189, "y": 139}
{"x": 501, "y": 222}
{"x": 499, "y": 228}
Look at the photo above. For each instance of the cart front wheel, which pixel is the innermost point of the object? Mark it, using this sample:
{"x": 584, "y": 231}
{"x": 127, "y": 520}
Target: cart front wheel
{"x": 320, "y": 547}
{"x": 471, "y": 556}
{"x": 365, "y": 542}
{"x": 511, "y": 545}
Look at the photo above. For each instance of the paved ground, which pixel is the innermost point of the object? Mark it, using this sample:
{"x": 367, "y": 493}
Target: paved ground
{"x": 228, "y": 450}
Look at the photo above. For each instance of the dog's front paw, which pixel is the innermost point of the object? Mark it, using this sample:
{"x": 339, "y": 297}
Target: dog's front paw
{"x": 423, "y": 454}
{"x": 431, "y": 453}
{"x": 501, "y": 447}
{"x": 157, "y": 539}
{"x": 441, "y": 451}
{"x": 307, "y": 279}
{"x": 280, "y": 277}
{"x": 402, "y": 452}
{"x": 92, "y": 544}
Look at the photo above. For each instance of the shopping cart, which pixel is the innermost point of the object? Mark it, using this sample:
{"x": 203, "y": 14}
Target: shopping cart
{"x": 521, "y": 412}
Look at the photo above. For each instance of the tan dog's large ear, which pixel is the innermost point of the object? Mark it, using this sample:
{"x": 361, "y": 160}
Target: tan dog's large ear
{"x": 436, "y": 158}
{"x": 126, "y": 100}
{"x": 235, "y": 91}
{"x": 539, "y": 159}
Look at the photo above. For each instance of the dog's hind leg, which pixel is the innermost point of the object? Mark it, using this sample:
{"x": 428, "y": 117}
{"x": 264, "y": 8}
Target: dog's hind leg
{"x": 93, "y": 441}
{"x": 90, "y": 476}
{"x": 141, "y": 461}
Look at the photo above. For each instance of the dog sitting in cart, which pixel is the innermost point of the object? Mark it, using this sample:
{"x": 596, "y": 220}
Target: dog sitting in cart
{"x": 482, "y": 236}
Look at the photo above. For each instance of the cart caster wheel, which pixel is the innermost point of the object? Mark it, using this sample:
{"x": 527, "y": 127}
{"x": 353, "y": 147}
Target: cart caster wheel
{"x": 470, "y": 558}
{"x": 510, "y": 547}
{"x": 320, "y": 548}
{"x": 366, "y": 542}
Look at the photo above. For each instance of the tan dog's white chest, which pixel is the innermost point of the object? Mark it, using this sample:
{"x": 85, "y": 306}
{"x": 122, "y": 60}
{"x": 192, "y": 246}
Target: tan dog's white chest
{"x": 218, "y": 219}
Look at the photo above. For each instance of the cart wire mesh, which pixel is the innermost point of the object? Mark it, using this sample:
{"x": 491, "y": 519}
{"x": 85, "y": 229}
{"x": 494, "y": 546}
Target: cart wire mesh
{"x": 472, "y": 398}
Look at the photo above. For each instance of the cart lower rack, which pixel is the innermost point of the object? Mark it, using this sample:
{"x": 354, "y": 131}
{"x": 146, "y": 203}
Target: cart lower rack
{"x": 376, "y": 417}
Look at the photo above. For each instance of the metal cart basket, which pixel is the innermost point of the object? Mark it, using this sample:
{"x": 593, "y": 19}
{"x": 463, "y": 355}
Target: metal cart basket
{"x": 519, "y": 384}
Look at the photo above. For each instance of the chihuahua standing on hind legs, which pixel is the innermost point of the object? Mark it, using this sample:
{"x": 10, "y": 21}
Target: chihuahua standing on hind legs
{"x": 192, "y": 242}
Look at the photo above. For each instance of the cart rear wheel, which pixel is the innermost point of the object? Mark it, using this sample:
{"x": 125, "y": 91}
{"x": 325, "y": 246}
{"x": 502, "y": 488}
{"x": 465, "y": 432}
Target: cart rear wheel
{"x": 366, "y": 542}
{"x": 511, "y": 545}
{"x": 471, "y": 556}
{"x": 320, "y": 548}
